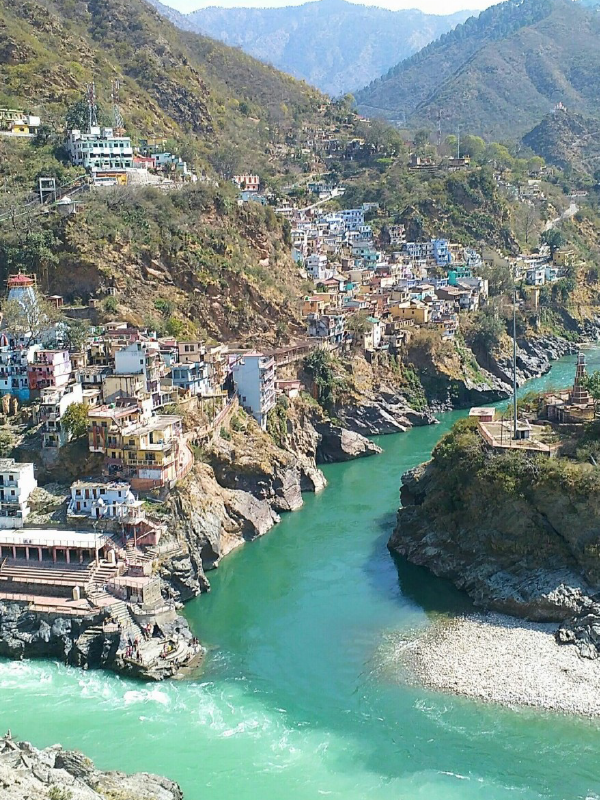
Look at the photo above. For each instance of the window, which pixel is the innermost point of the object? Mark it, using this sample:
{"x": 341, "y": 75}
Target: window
{"x": 11, "y": 477}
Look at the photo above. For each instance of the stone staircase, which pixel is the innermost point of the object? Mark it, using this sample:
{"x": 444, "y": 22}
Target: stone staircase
{"x": 120, "y": 613}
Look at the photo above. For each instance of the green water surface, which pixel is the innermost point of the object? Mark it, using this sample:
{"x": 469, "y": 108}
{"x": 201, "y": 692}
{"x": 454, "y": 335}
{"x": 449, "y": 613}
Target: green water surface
{"x": 298, "y": 698}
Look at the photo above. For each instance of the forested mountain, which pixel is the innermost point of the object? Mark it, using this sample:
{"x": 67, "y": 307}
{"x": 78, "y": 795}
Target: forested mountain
{"x": 332, "y": 44}
{"x": 497, "y": 75}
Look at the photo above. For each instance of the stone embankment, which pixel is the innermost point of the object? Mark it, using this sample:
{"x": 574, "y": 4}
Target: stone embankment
{"x": 500, "y": 659}
{"x": 27, "y": 773}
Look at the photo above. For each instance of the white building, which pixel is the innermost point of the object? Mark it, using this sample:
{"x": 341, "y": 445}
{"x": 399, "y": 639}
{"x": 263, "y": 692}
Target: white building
{"x": 97, "y": 500}
{"x": 254, "y": 378}
{"x": 316, "y": 267}
{"x": 17, "y": 481}
{"x": 54, "y": 403}
{"x": 142, "y": 358}
{"x": 99, "y": 149}
{"x": 353, "y": 218}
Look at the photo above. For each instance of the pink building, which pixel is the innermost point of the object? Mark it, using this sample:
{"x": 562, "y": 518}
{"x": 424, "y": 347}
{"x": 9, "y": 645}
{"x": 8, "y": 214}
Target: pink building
{"x": 248, "y": 183}
{"x": 50, "y": 368}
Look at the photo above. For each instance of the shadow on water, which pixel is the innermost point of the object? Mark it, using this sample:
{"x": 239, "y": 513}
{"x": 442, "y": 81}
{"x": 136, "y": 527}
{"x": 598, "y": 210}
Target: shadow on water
{"x": 434, "y": 595}
{"x": 416, "y": 584}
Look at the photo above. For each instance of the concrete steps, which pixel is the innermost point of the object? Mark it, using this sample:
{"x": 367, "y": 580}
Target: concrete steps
{"x": 120, "y": 613}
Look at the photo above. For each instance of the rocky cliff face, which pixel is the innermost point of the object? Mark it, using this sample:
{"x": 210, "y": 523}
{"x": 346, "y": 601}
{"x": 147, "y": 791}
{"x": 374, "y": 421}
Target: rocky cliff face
{"x": 238, "y": 496}
{"x": 27, "y": 773}
{"x": 85, "y": 642}
{"x": 453, "y": 381}
{"x": 384, "y": 411}
{"x": 208, "y": 521}
{"x": 519, "y": 534}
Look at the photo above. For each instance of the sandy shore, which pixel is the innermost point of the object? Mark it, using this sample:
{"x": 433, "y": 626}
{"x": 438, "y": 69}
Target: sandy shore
{"x": 503, "y": 660}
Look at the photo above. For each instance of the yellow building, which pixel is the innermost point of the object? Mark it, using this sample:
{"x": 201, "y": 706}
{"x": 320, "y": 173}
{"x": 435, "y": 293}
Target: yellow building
{"x": 413, "y": 310}
{"x": 151, "y": 453}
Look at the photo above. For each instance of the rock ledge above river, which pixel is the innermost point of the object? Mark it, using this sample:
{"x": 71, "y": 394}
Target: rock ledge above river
{"x": 27, "y": 773}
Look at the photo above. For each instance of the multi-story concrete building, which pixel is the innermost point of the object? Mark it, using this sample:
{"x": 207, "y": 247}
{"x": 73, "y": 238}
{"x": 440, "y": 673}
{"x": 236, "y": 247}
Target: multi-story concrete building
{"x": 99, "y": 149}
{"x": 330, "y": 327}
{"x": 193, "y": 378}
{"x": 17, "y": 481}
{"x": 155, "y": 454}
{"x": 316, "y": 267}
{"x": 54, "y": 403}
{"x": 191, "y": 352}
{"x": 50, "y": 369}
{"x": 254, "y": 378}
{"x": 99, "y": 500}
{"x": 142, "y": 358}
{"x": 14, "y": 363}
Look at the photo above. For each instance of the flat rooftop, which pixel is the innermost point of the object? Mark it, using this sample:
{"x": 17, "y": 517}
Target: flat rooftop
{"x": 49, "y": 537}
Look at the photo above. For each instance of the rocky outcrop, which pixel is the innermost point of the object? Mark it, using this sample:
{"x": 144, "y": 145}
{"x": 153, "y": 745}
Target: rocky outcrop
{"x": 384, "y": 412}
{"x": 534, "y": 358}
{"x": 315, "y": 437}
{"x": 89, "y": 643}
{"x": 250, "y": 462}
{"x": 518, "y": 533}
{"x": 338, "y": 444}
{"x": 486, "y": 377}
{"x": 27, "y": 773}
{"x": 208, "y": 521}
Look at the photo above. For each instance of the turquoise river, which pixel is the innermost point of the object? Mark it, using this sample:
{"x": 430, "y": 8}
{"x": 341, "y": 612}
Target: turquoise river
{"x": 297, "y": 699}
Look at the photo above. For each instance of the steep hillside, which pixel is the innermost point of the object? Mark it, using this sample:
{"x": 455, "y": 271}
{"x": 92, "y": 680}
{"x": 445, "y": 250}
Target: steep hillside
{"x": 568, "y": 140}
{"x": 334, "y": 45}
{"x": 499, "y": 74}
{"x": 173, "y": 84}
{"x": 191, "y": 261}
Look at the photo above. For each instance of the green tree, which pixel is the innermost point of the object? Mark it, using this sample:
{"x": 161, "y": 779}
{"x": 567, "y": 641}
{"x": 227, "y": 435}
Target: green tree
{"x": 76, "y": 334}
{"x": 78, "y": 116}
{"x": 319, "y": 365}
{"x": 486, "y": 330}
{"x": 592, "y": 384}
{"x": 553, "y": 238}
{"x": 75, "y": 420}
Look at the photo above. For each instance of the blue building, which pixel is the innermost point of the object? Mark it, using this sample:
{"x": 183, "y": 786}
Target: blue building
{"x": 441, "y": 252}
{"x": 192, "y": 377}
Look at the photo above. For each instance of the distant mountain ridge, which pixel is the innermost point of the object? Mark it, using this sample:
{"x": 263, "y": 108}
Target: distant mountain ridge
{"x": 334, "y": 45}
{"x": 499, "y": 74}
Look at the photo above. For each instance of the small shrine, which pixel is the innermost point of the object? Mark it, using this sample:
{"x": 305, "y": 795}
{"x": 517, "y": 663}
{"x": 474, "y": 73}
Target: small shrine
{"x": 574, "y": 406}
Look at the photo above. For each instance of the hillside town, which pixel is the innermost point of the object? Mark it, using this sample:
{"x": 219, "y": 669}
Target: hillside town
{"x": 144, "y": 401}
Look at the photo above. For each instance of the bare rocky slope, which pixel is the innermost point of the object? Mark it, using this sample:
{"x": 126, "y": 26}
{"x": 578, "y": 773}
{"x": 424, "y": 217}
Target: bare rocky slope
{"x": 27, "y": 773}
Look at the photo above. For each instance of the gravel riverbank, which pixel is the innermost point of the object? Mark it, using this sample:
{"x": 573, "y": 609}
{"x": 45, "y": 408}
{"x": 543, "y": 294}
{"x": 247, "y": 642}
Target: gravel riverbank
{"x": 503, "y": 660}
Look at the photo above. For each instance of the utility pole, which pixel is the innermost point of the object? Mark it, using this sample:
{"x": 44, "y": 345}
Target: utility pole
{"x": 515, "y": 362}
{"x": 458, "y": 142}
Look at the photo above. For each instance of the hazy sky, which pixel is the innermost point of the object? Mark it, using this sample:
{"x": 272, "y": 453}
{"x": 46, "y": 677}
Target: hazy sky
{"x": 430, "y": 6}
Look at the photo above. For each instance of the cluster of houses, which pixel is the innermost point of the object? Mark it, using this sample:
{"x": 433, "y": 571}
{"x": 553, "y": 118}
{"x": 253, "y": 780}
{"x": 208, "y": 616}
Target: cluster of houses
{"x": 18, "y": 123}
{"x": 404, "y": 285}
